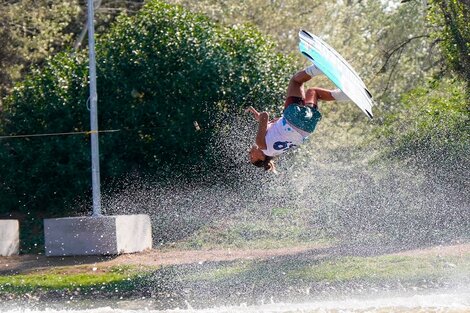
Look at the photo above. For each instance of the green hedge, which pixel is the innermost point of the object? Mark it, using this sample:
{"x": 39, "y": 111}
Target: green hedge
{"x": 158, "y": 72}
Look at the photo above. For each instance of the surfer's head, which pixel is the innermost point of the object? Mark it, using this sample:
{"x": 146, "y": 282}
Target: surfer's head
{"x": 267, "y": 164}
{"x": 259, "y": 159}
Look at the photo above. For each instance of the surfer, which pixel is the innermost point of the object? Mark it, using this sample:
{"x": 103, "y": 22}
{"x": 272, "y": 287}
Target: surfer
{"x": 298, "y": 121}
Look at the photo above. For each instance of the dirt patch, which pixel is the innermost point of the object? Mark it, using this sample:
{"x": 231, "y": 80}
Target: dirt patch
{"x": 154, "y": 258}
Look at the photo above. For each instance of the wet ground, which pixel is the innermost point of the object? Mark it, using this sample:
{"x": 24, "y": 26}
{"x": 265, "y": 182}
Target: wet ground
{"x": 178, "y": 287}
{"x": 449, "y": 302}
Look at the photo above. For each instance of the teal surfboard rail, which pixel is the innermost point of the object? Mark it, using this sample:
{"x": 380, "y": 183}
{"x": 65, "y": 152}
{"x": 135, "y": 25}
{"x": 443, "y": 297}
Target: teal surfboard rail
{"x": 337, "y": 69}
{"x": 322, "y": 63}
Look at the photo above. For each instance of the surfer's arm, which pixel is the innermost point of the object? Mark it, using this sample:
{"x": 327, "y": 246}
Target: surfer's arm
{"x": 263, "y": 119}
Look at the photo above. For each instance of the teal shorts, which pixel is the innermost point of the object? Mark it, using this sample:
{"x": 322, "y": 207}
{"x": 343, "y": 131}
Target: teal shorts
{"x": 302, "y": 117}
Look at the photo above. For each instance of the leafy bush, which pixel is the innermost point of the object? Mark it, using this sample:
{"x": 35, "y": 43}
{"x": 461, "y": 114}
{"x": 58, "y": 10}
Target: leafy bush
{"x": 431, "y": 123}
{"x": 158, "y": 72}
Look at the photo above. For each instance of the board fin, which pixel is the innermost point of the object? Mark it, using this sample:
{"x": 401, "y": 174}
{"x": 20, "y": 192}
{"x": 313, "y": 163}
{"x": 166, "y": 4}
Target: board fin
{"x": 307, "y": 56}
{"x": 306, "y": 33}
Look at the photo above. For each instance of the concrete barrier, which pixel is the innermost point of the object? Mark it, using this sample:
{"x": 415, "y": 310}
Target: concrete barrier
{"x": 97, "y": 235}
{"x": 9, "y": 237}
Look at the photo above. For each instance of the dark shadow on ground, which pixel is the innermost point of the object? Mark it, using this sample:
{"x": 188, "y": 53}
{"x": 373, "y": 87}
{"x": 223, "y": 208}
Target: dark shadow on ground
{"x": 30, "y": 263}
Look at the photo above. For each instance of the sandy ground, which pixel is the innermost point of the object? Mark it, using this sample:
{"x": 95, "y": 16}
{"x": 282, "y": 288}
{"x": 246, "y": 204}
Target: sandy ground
{"x": 155, "y": 257}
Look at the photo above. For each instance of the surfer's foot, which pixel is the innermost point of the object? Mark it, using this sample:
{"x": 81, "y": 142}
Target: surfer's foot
{"x": 338, "y": 95}
{"x": 313, "y": 70}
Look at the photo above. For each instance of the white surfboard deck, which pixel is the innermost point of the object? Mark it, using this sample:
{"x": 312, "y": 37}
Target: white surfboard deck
{"x": 335, "y": 67}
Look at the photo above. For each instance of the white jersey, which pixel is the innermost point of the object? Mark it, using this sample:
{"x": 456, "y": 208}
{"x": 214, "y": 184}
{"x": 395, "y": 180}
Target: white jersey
{"x": 281, "y": 136}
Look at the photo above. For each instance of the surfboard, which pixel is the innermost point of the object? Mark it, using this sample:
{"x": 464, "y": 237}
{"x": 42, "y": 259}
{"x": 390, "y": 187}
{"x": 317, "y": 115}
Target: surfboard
{"x": 337, "y": 69}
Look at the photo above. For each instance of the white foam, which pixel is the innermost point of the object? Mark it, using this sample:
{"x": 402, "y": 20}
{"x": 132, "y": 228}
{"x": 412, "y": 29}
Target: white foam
{"x": 451, "y": 302}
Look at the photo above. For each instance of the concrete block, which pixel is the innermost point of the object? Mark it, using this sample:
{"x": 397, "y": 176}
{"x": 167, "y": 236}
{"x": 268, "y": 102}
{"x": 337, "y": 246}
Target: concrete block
{"x": 9, "y": 237}
{"x": 97, "y": 235}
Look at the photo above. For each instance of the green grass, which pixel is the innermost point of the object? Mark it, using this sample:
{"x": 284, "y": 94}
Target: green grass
{"x": 288, "y": 270}
{"x": 278, "y": 228}
{"x": 226, "y": 271}
{"x": 379, "y": 269}
{"x": 116, "y": 278}
{"x": 385, "y": 268}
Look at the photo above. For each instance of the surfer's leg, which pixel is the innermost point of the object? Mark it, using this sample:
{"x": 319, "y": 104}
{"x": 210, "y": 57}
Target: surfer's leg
{"x": 324, "y": 95}
{"x": 296, "y": 84}
{"x": 321, "y": 94}
{"x": 295, "y": 90}
{"x": 311, "y": 97}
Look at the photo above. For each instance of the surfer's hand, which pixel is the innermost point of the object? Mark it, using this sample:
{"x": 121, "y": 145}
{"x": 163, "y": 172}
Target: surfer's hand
{"x": 253, "y": 111}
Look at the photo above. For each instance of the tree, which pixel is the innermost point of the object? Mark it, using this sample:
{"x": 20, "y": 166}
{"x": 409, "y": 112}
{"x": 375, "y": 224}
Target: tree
{"x": 451, "y": 19}
{"x": 31, "y": 31}
{"x": 430, "y": 125}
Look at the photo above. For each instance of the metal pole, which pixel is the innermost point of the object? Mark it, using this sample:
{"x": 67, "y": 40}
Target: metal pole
{"x": 95, "y": 160}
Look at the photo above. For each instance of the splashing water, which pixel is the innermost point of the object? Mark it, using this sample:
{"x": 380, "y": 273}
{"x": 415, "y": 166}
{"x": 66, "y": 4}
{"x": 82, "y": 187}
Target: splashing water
{"x": 343, "y": 196}
{"x": 337, "y": 193}
{"x": 442, "y": 303}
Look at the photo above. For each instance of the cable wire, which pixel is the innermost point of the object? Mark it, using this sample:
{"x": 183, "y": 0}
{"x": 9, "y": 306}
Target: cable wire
{"x": 61, "y": 134}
